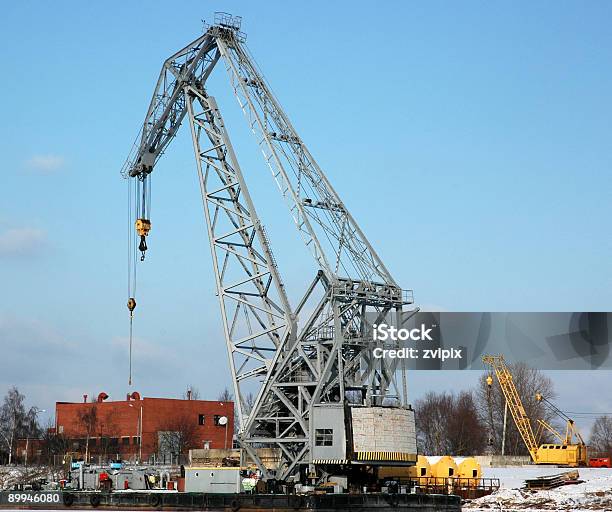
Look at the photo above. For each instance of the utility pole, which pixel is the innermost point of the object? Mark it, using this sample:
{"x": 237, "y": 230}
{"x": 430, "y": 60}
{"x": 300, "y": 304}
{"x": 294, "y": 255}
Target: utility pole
{"x": 10, "y": 458}
{"x": 140, "y": 437}
{"x": 139, "y": 433}
{"x": 503, "y": 446}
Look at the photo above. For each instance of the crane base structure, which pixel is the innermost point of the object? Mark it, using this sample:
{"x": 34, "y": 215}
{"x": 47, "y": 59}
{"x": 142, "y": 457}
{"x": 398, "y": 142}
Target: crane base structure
{"x": 320, "y": 397}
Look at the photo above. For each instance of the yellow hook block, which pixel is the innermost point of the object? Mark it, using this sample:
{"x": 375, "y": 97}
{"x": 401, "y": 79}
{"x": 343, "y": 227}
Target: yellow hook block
{"x": 143, "y": 226}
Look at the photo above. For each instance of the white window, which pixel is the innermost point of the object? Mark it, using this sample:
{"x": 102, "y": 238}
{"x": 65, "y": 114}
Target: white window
{"x": 324, "y": 437}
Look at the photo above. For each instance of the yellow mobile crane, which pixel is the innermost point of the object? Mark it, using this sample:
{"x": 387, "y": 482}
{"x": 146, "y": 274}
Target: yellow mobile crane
{"x": 568, "y": 452}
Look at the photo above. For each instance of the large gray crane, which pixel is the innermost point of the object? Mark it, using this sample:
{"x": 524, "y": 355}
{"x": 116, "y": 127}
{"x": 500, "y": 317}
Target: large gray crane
{"x": 310, "y": 368}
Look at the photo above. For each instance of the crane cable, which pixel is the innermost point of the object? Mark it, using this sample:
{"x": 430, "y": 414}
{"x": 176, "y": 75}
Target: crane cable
{"x": 131, "y": 272}
{"x": 139, "y": 214}
{"x": 489, "y": 381}
{"x": 131, "y": 304}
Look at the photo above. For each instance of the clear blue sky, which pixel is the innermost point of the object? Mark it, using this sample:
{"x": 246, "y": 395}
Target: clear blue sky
{"x": 471, "y": 140}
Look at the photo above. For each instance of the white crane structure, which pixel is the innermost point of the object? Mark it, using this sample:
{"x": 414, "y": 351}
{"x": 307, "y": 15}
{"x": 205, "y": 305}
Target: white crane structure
{"x": 293, "y": 359}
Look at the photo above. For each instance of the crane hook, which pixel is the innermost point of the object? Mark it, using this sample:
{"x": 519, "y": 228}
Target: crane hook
{"x": 143, "y": 226}
{"x": 142, "y": 247}
{"x": 131, "y": 304}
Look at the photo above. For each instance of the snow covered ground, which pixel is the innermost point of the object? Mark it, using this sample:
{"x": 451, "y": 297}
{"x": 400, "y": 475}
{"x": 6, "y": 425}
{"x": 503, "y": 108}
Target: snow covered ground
{"x": 594, "y": 494}
{"x": 11, "y": 475}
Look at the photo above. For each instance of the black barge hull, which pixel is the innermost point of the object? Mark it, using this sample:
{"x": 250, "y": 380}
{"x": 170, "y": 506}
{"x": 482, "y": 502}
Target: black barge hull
{"x": 379, "y": 502}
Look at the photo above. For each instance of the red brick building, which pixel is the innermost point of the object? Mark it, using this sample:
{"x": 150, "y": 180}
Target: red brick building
{"x": 165, "y": 425}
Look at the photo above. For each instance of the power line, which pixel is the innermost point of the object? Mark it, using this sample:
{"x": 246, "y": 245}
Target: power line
{"x": 588, "y": 413}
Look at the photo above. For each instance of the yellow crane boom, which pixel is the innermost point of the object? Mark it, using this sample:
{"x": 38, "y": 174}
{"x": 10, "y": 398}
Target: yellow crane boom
{"x": 515, "y": 404}
{"x": 544, "y": 425}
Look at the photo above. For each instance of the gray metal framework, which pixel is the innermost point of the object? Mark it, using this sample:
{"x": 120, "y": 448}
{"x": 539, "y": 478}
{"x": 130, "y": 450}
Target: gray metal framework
{"x": 289, "y": 365}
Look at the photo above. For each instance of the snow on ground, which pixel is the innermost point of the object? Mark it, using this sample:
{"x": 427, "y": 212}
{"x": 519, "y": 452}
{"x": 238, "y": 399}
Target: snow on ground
{"x": 11, "y": 475}
{"x": 594, "y": 494}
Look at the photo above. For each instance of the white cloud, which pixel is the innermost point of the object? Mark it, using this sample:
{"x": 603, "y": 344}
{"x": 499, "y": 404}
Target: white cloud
{"x": 21, "y": 242}
{"x": 46, "y": 163}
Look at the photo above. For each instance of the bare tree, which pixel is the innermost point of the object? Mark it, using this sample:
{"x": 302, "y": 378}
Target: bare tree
{"x": 178, "y": 435}
{"x": 107, "y": 432}
{"x": 54, "y": 445}
{"x": 15, "y": 422}
{"x": 491, "y": 405}
{"x": 601, "y": 436}
{"x": 249, "y": 402}
{"x": 191, "y": 393}
{"x": 225, "y": 395}
{"x": 431, "y": 415}
{"x": 466, "y": 431}
{"x": 88, "y": 421}
{"x": 449, "y": 424}
{"x": 11, "y": 419}
{"x": 247, "y": 407}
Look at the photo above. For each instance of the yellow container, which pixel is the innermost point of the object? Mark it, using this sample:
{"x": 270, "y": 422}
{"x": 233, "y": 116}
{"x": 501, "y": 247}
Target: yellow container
{"x": 420, "y": 469}
{"x": 444, "y": 467}
{"x": 470, "y": 468}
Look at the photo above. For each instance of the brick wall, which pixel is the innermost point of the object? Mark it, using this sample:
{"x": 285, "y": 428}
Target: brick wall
{"x": 120, "y": 420}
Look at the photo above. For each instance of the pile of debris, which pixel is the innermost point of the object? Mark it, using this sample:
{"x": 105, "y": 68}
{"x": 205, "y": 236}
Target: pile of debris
{"x": 22, "y": 477}
{"x": 552, "y": 481}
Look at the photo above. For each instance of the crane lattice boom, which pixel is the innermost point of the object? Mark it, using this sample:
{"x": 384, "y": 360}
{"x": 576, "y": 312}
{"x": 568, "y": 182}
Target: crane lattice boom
{"x": 515, "y": 404}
